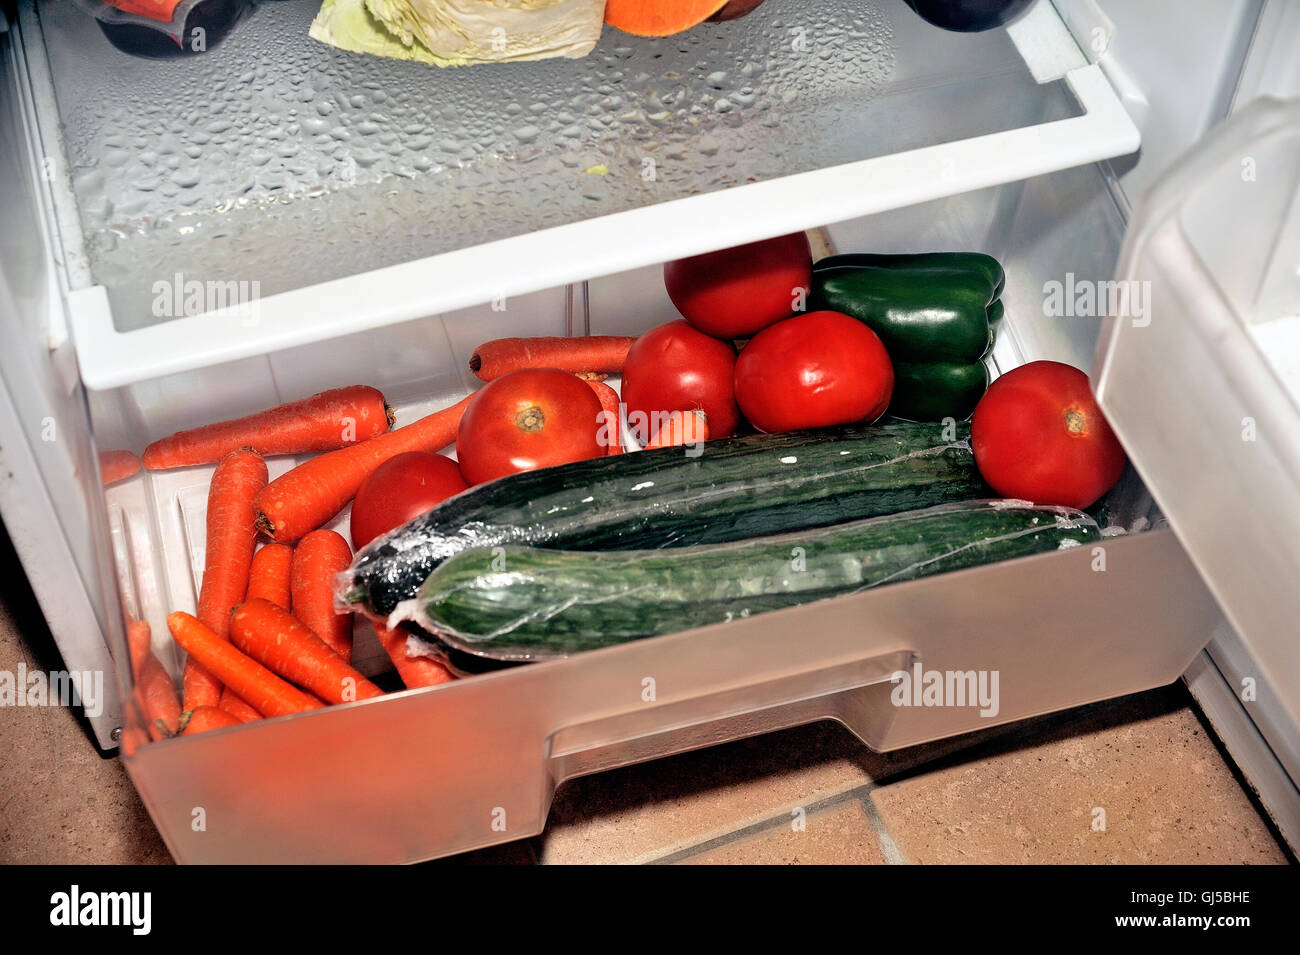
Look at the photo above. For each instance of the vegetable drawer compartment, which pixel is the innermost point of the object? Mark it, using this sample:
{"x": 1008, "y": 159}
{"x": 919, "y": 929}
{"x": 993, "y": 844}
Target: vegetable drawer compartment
{"x": 442, "y": 770}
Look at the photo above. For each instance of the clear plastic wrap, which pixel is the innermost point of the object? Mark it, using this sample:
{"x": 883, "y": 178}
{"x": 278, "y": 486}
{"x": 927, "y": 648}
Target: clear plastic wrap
{"x": 520, "y": 603}
{"x": 161, "y": 29}
{"x": 735, "y": 488}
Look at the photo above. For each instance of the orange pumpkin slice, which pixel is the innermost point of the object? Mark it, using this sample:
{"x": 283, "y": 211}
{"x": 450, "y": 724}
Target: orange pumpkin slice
{"x": 659, "y": 17}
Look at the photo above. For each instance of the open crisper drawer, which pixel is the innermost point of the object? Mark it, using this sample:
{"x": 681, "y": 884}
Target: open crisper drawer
{"x": 344, "y": 193}
{"x": 432, "y": 772}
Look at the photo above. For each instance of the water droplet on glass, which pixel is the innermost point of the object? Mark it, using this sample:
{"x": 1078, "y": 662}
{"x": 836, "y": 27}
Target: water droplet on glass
{"x": 272, "y": 141}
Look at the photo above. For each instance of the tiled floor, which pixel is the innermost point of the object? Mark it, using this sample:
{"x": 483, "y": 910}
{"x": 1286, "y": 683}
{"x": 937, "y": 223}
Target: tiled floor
{"x": 1033, "y": 792}
{"x": 60, "y": 800}
{"x": 1020, "y": 794}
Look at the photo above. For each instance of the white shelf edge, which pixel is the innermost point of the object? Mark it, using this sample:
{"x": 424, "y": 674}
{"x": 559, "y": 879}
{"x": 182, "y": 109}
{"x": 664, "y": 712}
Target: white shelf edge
{"x": 601, "y": 246}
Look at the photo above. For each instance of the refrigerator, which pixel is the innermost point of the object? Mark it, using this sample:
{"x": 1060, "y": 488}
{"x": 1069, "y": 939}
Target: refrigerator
{"x": 199, "y": 237}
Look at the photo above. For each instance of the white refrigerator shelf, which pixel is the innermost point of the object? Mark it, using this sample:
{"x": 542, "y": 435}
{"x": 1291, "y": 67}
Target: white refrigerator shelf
{"x": 866, "y": 139}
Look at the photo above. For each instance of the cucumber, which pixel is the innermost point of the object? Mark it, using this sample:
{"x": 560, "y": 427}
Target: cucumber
{"x": 731, "y": 489}
{"x": 522, "y": 603}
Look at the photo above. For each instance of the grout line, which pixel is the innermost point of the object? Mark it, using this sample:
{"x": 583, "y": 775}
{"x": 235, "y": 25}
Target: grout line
{"x": 760, "y": 824}
{"x": 888, "y": 847}
{"x": 1247, "y": 787}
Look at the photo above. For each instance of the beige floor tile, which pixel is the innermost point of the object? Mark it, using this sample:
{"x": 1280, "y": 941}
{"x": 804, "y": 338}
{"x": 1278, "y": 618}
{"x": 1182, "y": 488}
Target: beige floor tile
{"x": 839, "y": 835}
{"x": 656, "y": 808}
{"x": 60, "y": 800}
{"x": 1167, "y": 794}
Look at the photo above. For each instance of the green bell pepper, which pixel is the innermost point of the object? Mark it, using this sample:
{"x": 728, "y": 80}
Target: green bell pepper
{"x": 935, "y": 312}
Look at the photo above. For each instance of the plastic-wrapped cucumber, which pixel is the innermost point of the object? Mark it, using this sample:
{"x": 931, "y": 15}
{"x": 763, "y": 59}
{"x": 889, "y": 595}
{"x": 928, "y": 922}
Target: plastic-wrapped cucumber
{"x": 731, "y": 489}
{"x": 522, "y": 603}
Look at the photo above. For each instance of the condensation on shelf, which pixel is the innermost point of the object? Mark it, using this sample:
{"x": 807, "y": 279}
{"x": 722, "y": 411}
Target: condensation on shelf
{"x": 277, "y": 160}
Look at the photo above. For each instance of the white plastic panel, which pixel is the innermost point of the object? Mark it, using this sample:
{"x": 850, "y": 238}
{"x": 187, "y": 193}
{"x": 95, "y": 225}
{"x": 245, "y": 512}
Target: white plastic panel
{"x": 1175, "y": 65}
{"x": 1272, "y": 67}
{"x": 1201, "y": 404}
{"x": 50, "y": 499}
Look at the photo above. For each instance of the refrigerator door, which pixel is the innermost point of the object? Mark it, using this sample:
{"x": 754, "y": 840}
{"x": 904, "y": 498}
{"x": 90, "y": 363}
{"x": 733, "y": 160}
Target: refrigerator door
{"x": 1198, "y": 369}
{"x": 1249, "y": 717}
{"x": 50, "y": 498}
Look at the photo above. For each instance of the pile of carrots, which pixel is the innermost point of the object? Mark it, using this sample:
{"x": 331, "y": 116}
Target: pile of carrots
{"x": 265, "y": 639}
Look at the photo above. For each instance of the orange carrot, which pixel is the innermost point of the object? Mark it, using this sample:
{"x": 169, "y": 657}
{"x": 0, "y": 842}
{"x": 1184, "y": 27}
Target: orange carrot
{"x": 154, "y": 690}
{"x": 139, "y": 644}
{"x": 268, "y": 575}
{"x": 317, "y": 558}
{"x": 280, "y": 642}
{"x": 228, "y": 554}
{"x": 323, "y": 422}
{"x": 254, "y": 683}
{"x": 303, "y": 499}
{"x": 681, "y": 427}
{"x": 591, "y": 353}
{"x": 233, "y": 704}
{"x": 117, "y": 466}
{"x": 197, "y": 684}
{"x": 157, "y": 695}
{"x": 414, "y": 671}
{"x": 132, "y": 739}
{"x": 609, "y": 403}
{"x": 204, "y": 718}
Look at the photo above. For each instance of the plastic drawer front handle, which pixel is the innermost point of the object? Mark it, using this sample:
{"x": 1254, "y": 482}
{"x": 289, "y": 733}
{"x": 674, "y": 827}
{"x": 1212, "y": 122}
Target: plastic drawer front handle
{"x": 856, "y": 693}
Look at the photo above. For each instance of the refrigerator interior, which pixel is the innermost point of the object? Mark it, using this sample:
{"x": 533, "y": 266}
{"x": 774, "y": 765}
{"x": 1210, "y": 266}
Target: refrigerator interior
{"x": 984, "y": 142}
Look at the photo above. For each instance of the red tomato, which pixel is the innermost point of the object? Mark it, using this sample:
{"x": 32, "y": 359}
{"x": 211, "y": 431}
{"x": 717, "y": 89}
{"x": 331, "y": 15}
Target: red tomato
{"x": 813, "y": 371}
{"x": 676, "y": 368}
{"x": 533, "y": 418}
{"x": 401, "y": 489}
{"x": 732, "y": 293}
{"x": 1038, "y": 435}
